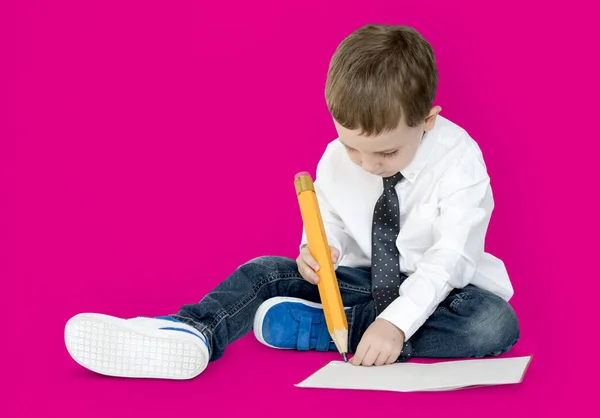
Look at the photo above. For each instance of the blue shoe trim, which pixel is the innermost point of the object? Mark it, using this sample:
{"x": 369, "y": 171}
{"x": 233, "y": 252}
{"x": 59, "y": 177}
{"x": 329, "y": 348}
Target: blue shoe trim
{"x": 168, "y": 318}
{"x": 303, "y": 341}
{"x": 188, "y": 331}
{"x": 324, "y": 340}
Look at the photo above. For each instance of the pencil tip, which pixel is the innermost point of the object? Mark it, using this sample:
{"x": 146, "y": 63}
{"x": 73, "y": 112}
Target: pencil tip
{"x": 345, "y": 357}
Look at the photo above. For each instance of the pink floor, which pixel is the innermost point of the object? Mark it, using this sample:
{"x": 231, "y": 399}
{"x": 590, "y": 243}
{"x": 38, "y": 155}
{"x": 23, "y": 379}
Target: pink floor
{"x": 138, "y": 135}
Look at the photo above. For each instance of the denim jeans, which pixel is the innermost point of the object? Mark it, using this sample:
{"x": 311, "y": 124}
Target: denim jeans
{"x": 470, "y": 322}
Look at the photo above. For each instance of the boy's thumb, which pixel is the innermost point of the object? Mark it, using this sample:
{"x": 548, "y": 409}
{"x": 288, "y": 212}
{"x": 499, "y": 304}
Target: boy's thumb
{"x": 334, "y": 254}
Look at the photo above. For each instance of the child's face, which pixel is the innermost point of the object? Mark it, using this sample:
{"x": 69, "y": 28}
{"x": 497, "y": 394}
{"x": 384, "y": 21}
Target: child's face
{"x": 388, "y": 153}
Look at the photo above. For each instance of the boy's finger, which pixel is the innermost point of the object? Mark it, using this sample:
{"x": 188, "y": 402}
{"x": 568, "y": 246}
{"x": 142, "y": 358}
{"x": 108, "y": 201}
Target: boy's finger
{"x": 360, "y": 353}
{"x": 370, "y": 356}
{"x": 306, "y": 272}
{"x": 334, "y": 254}
{"x": 381, "y": 358}
{"x": 393, "y": 357}
{"x": 311, "y": 275}
{"x": 311, "y": 262}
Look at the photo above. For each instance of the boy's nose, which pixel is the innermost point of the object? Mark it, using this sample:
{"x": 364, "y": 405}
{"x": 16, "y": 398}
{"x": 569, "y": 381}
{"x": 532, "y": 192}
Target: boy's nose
{"x": 371, "y": 166}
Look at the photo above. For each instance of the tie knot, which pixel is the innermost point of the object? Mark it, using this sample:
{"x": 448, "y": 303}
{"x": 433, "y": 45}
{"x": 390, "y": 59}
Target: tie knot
{"x": 390, "y": 182}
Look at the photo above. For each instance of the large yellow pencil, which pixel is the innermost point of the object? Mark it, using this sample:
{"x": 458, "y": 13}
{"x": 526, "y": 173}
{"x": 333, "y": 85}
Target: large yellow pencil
{"x": 331, "y": 299}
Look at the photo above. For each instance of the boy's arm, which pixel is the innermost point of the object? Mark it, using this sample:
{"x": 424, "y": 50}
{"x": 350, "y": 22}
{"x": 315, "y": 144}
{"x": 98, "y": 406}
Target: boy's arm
{"x": 459, "y": 233}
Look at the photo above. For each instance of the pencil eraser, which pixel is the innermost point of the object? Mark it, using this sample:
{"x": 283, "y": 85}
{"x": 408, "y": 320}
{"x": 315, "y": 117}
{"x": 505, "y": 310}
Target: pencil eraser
{"x": 302, "y": 173}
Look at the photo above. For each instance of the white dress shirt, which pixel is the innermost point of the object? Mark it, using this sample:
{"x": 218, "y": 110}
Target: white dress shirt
{"x": 445, "y": 207}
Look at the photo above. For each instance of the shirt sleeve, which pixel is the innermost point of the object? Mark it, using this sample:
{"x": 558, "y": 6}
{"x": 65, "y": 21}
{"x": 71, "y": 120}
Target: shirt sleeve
{"x": 333, "y": 224}
{"x": 465, "y": 207}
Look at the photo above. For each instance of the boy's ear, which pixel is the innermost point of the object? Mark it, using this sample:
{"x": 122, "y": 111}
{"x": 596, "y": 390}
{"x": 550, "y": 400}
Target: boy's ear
{"x": 430, "y": 119}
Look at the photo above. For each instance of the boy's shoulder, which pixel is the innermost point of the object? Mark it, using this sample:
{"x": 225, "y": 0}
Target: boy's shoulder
{"x": 450, "y": 136}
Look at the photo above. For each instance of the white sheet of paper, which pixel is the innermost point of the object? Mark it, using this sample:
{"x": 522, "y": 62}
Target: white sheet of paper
{"x": 413, "y": 377}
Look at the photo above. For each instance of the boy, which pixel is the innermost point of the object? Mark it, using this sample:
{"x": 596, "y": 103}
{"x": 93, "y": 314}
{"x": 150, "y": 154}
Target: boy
{"x": 406, "y": 201}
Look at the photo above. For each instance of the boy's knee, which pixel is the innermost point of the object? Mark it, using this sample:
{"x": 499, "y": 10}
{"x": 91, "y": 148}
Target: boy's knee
{"x": 271, "y": 261}
{"x": 493, "y": 325}
{"x": 270, "y": 264}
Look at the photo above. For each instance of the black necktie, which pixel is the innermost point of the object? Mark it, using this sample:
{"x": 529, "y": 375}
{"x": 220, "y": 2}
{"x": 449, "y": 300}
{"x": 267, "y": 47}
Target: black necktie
{"x": 385, "y": 257}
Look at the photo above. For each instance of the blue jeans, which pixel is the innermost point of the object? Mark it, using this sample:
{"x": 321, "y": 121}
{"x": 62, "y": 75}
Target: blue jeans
{"x": 470, "y": 322}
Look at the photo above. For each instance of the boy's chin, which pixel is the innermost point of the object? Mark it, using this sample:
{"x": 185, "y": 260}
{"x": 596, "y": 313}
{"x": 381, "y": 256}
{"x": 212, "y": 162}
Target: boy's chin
{"x": 387, "y": 174}
{"x": 384, "y": 174}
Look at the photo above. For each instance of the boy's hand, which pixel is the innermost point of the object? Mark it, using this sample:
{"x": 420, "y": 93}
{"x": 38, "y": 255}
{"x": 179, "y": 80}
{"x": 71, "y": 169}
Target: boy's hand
{"x": 381, "y": 344}
{"x": 307, "y": 265}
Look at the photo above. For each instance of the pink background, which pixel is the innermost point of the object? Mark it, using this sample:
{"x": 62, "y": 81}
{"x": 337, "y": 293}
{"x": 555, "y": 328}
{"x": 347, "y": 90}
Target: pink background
{"x": 135, "y": 134}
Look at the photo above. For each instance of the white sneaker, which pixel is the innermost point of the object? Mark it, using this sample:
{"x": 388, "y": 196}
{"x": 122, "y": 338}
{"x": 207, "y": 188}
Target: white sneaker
{"x": 142, "y": 347}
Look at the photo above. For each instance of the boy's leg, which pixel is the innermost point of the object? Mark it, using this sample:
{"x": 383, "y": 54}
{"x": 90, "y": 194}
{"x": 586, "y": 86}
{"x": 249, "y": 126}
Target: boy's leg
{"x": 297, "y": 321}
{"x": 228, "y": 312}
{"x": 291, "y": 322}
{"x": 179, "y": 346}
{"x": 470, "y": 322}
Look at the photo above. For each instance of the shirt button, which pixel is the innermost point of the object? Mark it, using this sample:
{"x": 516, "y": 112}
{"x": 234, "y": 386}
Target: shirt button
{"x": 411, "y": 175}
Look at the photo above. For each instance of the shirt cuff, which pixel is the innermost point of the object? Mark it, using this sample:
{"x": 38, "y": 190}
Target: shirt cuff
{"x": 405, "y": 315}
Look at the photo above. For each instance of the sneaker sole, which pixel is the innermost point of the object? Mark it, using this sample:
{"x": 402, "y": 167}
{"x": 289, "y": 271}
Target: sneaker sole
{"x": 114, "y": 347}
{"x": 268, "y": 304}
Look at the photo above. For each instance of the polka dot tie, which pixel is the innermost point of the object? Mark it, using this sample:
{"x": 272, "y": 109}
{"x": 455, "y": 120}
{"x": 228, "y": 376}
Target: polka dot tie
{"x": 385, "y": 257}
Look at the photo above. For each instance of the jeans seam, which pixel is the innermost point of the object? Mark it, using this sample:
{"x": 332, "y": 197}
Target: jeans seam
{"x": 204, "y": 329}
{"x": 354, "y": 288}
{"x": 455, "y": 302}
{"x": 269, "y": 278}
{"x": 250, "y": 296}
{"x": 273, "y": 277}
{"x": 443, "y": 308}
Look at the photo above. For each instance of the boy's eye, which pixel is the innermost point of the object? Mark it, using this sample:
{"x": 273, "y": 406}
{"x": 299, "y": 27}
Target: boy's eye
{"x": 385, "y": 155}
{"x": 390, "y": 154}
